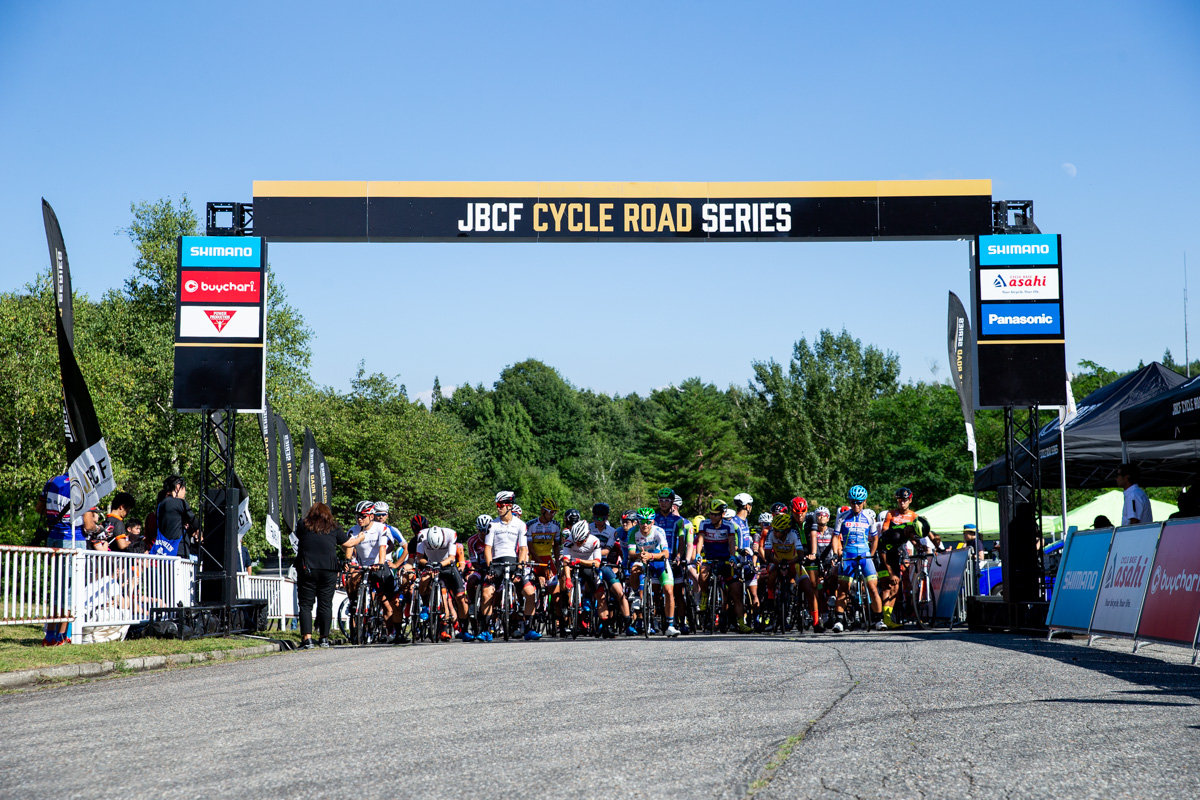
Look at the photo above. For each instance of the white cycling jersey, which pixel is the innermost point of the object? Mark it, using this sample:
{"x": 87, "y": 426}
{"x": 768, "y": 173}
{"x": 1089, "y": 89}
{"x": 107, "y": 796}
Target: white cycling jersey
{"x": 439, "y": 555}
{"x": 587, "y": 550}
{"x": 505, "y": 539}
{"x": 374, "y": 544}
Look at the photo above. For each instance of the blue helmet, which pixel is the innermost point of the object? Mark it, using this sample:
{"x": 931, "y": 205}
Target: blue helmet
{"x": 857, "y": 493}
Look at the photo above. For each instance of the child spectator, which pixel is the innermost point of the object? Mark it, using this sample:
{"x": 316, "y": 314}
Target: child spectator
{"x": 133, "y": 529}
{"x": 114, "y": 535}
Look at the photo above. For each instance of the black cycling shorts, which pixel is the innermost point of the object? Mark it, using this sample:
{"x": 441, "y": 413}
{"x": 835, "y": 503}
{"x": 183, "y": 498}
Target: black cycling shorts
{"x": 452, "y": 579}
{"x": 498, "y": 571}
{"x": 383, "y": 580}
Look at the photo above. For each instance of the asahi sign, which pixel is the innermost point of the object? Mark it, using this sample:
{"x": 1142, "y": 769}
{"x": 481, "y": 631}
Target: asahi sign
{"x": 220, "y": 324}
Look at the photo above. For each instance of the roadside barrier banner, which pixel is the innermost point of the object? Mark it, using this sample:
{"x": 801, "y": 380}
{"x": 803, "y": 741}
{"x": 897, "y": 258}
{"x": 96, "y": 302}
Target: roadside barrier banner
{"x": 1078, "y": 579}
{"x": 1123, "y": 586}
{"x": 1172, "y": 605}
{"x": 952, "y": 582}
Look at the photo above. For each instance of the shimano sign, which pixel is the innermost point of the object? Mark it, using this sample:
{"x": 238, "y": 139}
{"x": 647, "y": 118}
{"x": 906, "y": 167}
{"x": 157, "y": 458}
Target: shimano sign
{"x": 1020, "y": 319}
{"x": 205, "y": 251}
{"x": 1018, "y": 250}
{"x": 1019, "y": 283}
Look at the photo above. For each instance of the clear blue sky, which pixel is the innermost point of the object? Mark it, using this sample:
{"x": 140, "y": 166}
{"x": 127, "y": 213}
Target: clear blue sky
{"x": 1089, "y": 109}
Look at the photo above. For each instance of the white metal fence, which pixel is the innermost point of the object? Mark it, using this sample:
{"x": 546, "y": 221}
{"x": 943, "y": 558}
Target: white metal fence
{"x": 88, "y": 587}
{"x": 283, "y": 602}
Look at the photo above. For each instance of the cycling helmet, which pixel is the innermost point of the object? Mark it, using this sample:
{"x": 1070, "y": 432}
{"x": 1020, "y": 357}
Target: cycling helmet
{"x": 717, "y": 506}
{"x": 781, "y": 523}
{"x": 517, "y": 510}
{"x": 778, "y": 508}
{"x": 678, "y": 501}
{"x": 857, "y": 494}
{"x": 666, "y": 493}
{"x": 728, "y": 513}
{"x": 629, "y": 516}
{"x": 645, "y": 515}
{"x": 418, "y": 523}
{"x": 579, "y": 531}
{"x": 483, "y": 522}
{"x": 799, "y": 506}
{"x": 572, "y": 516}
{"x": 600, "y": 511}
{"x": 505, "y": 498}
{"x": 822, "y": 510}
{"x": 381, "y": 508}
{"x": 435, "y": 538}
{"x": 843, "y": 509}
{"x": 549, "y": 505}
{"x": 765, "y": 518}
{"x": 364, "y": 507}
{"x": 742, "y": 499}
{"x": 904, "y": 493}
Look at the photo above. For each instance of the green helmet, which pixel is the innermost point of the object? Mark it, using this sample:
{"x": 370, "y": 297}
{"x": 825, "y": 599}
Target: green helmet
{"x": 645, "y": 515}
{"x": 666, "y": 493}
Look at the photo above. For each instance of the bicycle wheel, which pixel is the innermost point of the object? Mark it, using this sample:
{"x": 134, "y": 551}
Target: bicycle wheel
{"x": 784, "y": 611}
{"x": 343, "y": 618}
{"x": 433, "y": 607}
{"x": 506, "y": 609}
{"x": 924, "y": 614}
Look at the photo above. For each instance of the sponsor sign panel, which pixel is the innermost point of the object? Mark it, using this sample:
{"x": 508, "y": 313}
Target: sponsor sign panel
{"x": 223, "y": 321}
{"x": 1123, "y": 583}
{"x": 1173, "y": 599}
{"x": 956, "y": 565}
{"x": 221, "y": 251}
{"x": 1018, "y": 249}
{"x": 1016, "y": 283}
{"x": 1020, "y": 319}
{"x": 1078, "y": 579}
{"x": 220, "y": 286}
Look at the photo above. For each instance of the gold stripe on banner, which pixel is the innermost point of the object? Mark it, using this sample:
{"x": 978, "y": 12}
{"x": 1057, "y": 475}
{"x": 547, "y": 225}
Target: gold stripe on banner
{"x": 218, "y": 344}
{"x": 1023, "y": 341}
{"x": 698, "y": 190}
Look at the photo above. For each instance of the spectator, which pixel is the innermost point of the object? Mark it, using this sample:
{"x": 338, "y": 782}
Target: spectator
{"x": 93, "y": 530}
{"x": 55, "y": 503}
{"x": 1137, "y": 504}
{"x": 970, "y": 541}
{"x": 1101, "y": 522}
{"x": 133, "y": 529}
{"x": 175, "y": 519}
{"x": 151, "y": 532}
{"x": 1188, "y": 501}
{"x": 317, "y": 568}
{"x": 113, "y": 534}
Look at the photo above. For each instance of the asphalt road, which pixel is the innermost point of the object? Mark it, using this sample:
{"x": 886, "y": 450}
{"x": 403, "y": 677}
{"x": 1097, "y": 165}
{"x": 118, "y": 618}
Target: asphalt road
{"x": 877, "y": 715}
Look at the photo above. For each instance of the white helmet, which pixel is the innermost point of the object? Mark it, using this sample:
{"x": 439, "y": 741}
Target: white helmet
{"x": 579, "y": 531}
{"x": 483, "y": 522}
{"x": 728, "y": 514}
{"x": 503, "y": 498}
{"x": 517, "y": 512}
{"x": 742, "y": 499}
{"x": 381, "y": 508}
{"x": 678, "y": 501}
{"x": 435, "y": 538}
{"x": 765, "y": 518}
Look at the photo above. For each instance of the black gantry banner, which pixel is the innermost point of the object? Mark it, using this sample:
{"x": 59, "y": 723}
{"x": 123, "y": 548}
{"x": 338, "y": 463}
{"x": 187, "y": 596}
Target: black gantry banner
{"x": 60, "y": 272}
{"x": 959, "y": 341}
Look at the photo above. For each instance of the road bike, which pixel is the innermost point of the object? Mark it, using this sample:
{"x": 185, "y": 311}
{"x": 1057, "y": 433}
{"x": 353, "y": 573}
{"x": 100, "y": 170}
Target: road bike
{"x": 362, "y": 609}
{"x": 858, "y": 611}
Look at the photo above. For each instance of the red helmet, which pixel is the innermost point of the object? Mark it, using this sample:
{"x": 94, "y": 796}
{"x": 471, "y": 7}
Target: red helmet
{"x": 799, "y": 506}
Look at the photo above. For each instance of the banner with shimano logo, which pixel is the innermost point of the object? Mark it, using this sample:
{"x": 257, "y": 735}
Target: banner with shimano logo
{"x": 1018, "y": 249}
{"x": 1123, "y": 584}
{"x": 221, "y": 251}
{"x": 1172, "y": 606}
{"x": 1078, "y": 580}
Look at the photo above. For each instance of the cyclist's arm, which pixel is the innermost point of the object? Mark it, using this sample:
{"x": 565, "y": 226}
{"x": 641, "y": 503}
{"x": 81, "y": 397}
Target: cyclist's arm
{"x": 523, "y": 553}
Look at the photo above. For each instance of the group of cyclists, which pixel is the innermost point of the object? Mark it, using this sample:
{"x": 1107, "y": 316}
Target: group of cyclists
{"x": 655, "y": 572}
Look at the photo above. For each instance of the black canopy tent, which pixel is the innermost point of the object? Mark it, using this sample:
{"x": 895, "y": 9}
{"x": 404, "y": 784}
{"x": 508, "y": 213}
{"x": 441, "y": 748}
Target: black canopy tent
{"x": 1172, "y": 415}
{"x": 1093, "y": 440}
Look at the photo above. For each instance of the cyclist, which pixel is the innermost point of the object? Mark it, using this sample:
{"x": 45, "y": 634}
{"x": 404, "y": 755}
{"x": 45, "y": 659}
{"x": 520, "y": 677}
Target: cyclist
{"x": 649, "y": 551}
{"x": 743, "y": 505}
{"x": 439, "y": 547}
{"x": 629, "y": 521}
{"x": 368, "y": 546}
{"x": 856, "y": 538}
{"x": 819, "y": 562}
{"x": 416, "y": 524}
{"x": 580, "y": 560}
{"x": 783, "y": 551}
{"x": 543, "y": 537}
{"x": 476, "y": 579}
{"x": 505, "y": 543}
{"x": 898, "y": 529}
{"x": 679, "y": 535}
{"x": 717, "y": 541}
{"x": 609, "y": 538}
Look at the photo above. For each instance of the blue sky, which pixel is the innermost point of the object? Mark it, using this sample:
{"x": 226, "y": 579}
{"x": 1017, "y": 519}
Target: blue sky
{"x": 1089, "y": 109}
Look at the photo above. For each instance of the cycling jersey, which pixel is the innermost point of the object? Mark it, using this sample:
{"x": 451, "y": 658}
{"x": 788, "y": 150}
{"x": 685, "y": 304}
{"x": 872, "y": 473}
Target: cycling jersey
{"x": 506, "y": 538}
{"x": 785, "y": 547}
{"x": 398, "y": 546}
{"x": 653, "y": 542}
{"x": 717, "y": 539}
{"x": 587, "y": 550}
{"x": 373, "y": 545}
{"x": 896, "y": 527}
{"x": 745, "y": 541}
{"x": 541, "y": 537}
{"x": 57, "y": 495}
{"x": 822, "y": 539}
{"x": 856, "y": 531}
{"x": 475, "y": 549}
{"x": 669, "y": 523}
{"x": 437, "y": 556}
{"x": 607, "y": 535}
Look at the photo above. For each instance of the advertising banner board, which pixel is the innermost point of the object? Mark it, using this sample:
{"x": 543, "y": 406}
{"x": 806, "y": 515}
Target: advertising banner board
{"x": 1123, "y": 585}
{"x": 1078, "y": 580}
{"x": 955, "y": 567}
{"x": 1172, "y": 605}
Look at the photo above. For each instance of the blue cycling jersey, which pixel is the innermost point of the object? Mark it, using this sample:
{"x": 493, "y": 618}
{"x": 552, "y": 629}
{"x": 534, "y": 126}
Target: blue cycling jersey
{"x": 745, "y": 539}
{"x": 670, "y": 524}
{"x": 856, "y": 531}
{"x": 717, "y": 539}
{"x": 57, "y": 494}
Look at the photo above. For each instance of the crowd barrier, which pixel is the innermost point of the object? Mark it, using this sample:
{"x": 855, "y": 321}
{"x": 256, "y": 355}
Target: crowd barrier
{"x": 283, "y": 603}
{"x": 1139, "y": 582}
{"x": 89, "y": 588}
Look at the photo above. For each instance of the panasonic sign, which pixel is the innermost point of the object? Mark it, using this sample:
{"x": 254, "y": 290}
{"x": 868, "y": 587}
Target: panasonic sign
{"x": 1020, "y": 319}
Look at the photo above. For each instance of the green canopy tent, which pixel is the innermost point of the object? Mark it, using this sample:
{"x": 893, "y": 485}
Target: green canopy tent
{"x": 948, "y": 516}
{"x": 1108, "y": 504}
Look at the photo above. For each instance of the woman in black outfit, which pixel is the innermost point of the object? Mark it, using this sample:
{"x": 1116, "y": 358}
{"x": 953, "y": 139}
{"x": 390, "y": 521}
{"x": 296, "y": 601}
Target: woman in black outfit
{"x": 317, "y": 567}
